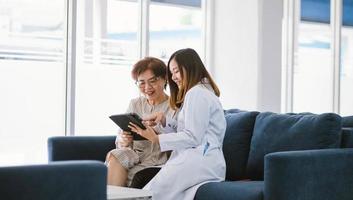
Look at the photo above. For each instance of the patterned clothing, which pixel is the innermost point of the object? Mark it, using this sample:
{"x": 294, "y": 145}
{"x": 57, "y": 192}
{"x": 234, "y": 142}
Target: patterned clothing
{"x": 142, "y": 153}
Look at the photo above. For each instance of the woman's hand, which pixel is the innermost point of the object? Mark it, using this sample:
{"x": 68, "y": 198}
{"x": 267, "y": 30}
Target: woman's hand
{"x": 125, "y": 139}
{"x": 154, "y": 119}
{"x": 148, "y": 133}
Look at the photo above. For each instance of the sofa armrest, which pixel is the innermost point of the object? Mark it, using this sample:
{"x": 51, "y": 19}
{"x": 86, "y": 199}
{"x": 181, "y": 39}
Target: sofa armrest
{"x": 55, "y": 181}
{"x": 309, "y": 175}
{"x": 80, "y": 147}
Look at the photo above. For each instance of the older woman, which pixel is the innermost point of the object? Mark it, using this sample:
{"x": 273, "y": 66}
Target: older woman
{"x": 131, "y": 156}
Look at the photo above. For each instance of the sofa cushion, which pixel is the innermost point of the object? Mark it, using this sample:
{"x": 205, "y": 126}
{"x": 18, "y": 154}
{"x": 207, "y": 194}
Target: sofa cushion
{"x": 283, "y": 132}
{"x": 236, "y": 190}
{"x": 236, "y": 143}
{"x": 233, "y": 110}
{"x": 347, "y": 138}
{"x": 347, "y": 121}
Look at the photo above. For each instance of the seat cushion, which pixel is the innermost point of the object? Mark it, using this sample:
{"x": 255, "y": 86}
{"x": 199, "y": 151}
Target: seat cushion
{"x": 284, "y": 132}
{"x": 236, "y": 143}
{"x": 235, "y": 190}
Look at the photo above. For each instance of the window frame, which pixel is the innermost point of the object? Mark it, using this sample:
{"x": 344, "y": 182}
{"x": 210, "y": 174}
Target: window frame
{"x": 290, "y": 44}
{"x": 143, "y": 41}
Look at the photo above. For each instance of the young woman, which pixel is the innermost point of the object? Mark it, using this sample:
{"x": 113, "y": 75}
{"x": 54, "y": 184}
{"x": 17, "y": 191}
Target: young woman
{"x": 195, "y": 138}
{"x": 131, "y": 157}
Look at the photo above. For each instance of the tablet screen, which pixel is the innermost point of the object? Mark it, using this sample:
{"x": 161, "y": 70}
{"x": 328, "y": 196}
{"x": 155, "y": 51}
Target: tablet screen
{"x": 123, "y": 120}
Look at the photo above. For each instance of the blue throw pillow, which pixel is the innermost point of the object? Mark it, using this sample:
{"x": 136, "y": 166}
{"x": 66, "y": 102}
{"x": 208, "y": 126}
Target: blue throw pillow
{"x": 236, "y": 144}
{"x": 288, "y": 132}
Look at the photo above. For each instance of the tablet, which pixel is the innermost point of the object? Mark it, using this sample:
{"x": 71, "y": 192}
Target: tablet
{"x": 123, "y": 120}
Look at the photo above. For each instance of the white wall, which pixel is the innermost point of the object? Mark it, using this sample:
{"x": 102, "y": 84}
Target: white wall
{"x": 270, "y": 53}
{"x": 246, "y": 71}
{"x": 235, "y": 52}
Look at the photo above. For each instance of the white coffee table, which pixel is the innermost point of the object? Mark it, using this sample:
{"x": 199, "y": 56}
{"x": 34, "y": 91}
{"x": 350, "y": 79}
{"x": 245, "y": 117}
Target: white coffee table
{"x": 115, "y": 193}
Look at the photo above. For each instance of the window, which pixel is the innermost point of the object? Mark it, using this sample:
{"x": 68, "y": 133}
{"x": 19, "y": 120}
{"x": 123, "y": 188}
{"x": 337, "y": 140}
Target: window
{"x": 44, "y": 93}
{"x": 32, "y": 78}
{"x": 346, "y": 72}
{"x": 107, "y": 47}
{"x": 321, "y": 63}
{"x": 312, "y": 75}
{"x": 170, "y": 32}
{"x": 110, "y": 40}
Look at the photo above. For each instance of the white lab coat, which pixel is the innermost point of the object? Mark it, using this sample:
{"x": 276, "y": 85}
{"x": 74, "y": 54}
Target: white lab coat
{"x": 196, "y": 141}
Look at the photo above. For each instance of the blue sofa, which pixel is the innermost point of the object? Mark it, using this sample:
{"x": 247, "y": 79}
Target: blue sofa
{"x": 74, "y": 180}
{"x": 285, "y": 157}
{"x": 269, "y": 156}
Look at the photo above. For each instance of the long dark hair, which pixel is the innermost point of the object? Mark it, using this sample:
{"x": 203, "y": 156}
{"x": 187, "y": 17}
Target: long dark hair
{"x": 192, "y": 71}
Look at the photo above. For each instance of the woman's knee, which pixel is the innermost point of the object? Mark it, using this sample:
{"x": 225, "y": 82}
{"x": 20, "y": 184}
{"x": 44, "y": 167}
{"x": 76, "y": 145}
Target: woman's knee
{"x": 109, "y": 156}
{"x": 110, "y": 159}
{"x": 113, "y": 162}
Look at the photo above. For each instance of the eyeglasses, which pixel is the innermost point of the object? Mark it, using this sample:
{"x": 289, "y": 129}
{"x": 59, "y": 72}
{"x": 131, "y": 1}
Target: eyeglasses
{"x": 152, "y": 82}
